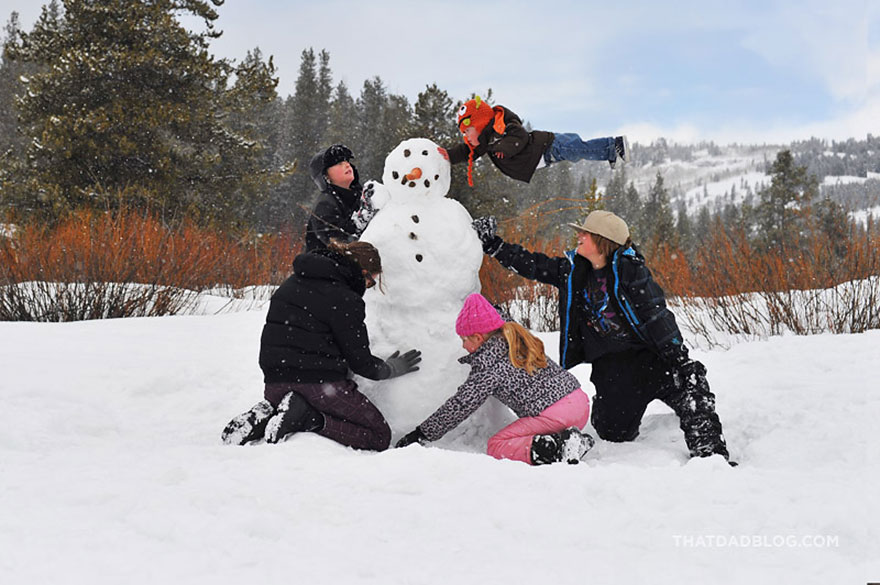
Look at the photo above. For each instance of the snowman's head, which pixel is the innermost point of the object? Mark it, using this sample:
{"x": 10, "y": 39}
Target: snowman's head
{"x": 416, "y": 169}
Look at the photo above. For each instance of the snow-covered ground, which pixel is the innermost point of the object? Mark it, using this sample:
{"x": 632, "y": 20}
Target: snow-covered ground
{"x": 112, "y": 471}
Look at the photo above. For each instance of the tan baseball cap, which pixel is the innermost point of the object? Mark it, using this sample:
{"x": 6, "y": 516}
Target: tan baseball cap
{"x": 606, "y": 224}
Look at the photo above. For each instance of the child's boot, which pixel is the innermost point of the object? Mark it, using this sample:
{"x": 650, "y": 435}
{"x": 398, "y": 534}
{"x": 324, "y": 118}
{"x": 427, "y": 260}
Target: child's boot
{"x": 621, "y": 149}
{"x": 295, "y": 415}
{"x": 569, "y": 445}
{"x": 248, "y": 426}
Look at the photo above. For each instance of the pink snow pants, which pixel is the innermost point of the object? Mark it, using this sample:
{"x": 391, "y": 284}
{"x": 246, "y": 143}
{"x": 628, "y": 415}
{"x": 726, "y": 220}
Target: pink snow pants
{"x": 515, "y": 440}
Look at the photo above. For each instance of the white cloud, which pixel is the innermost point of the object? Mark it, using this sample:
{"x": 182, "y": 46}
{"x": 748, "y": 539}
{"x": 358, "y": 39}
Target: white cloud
{"x": 821, "y": 40}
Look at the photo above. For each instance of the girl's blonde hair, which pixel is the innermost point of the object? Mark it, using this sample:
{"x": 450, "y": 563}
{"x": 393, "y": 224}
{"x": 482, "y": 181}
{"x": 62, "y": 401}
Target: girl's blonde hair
{"x": 526, "y": 350}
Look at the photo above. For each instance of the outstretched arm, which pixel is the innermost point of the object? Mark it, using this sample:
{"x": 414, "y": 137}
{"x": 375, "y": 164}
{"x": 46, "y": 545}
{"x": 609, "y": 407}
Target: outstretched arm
{"x": 531, "y": 265}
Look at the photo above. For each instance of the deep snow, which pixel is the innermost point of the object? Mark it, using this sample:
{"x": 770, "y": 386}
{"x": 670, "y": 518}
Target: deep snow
{"x": 112, "y": 471}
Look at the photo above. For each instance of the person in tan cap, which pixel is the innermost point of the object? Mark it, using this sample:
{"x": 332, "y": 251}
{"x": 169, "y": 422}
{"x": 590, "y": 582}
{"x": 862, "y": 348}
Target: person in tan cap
{"x": 613, "y": 315}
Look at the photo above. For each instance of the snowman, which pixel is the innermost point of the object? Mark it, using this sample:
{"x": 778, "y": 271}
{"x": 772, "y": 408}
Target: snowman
{"x": 431, "y": 260}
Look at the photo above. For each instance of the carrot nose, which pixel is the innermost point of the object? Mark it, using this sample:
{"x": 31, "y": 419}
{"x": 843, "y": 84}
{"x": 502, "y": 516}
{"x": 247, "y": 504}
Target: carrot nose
{"x": 414, "y": 174}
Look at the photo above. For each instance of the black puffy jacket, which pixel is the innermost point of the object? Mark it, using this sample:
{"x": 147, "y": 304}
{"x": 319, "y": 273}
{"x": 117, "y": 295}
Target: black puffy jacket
{"x": 520, "y": 150}
{"x": 332, "y": 215}
{"x": 640, "y": 299}
{"x": 315, "y": 328}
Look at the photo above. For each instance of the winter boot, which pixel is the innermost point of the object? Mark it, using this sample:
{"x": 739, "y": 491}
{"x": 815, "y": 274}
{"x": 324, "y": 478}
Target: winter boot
{"x": 621, "y": 149}
{"x": 295, "y": 415}
{"x": 569, "y": 445}
{"x": 248, "y": 426}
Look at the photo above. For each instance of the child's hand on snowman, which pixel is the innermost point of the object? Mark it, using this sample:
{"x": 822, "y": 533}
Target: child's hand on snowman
{"x": 403, "y": 364}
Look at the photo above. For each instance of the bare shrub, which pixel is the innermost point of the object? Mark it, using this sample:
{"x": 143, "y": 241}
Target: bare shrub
{"x": 735, "y": 287}
{"x": 95, "y": 265}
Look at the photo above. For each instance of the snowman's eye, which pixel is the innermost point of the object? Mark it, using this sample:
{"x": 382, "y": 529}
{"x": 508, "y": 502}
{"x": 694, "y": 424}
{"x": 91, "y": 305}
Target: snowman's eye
{"x": 395, "y": 174}
{"x": 424, "y": 153}
{"x": 406, "y": 152}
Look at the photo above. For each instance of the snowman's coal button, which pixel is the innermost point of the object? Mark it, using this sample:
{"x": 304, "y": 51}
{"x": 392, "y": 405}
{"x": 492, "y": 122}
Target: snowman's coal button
{"x": 436, "y": 177}
{"x": 419, "y": 257}
{"x": 415, "y": 219}
{"x": 412, "y": 183}
{"x": 413, "y": 236}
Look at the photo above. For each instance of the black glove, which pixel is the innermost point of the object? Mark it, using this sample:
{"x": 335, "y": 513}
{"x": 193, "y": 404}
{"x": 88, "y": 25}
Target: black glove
{"x": 403, "y": 364}
{"x": 690, "y": 374}
{"x": 485, "y": 228}
{"x": 416, "y": 436}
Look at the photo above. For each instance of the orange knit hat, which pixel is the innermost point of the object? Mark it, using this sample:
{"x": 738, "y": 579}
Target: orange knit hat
{"x": 475, "y": 113}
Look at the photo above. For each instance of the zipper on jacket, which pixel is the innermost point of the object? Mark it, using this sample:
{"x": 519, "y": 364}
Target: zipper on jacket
{"x": 570, "y": 255}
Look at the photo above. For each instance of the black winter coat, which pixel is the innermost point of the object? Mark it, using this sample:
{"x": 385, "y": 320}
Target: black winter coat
{"x": 315, "y": 328}
{"x": 332, "y": 215}
{"x": 638, "y": 297}
{"x": 516, "y": 152}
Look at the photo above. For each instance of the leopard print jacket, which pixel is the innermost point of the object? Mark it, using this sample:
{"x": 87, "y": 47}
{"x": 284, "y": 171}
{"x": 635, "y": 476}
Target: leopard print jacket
{"x": 492, "y": 374}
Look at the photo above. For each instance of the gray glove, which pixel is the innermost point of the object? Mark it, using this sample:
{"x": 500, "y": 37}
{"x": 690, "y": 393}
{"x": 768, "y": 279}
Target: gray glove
{"x": 485, "y": 228}
{"x": 403, "y": 364}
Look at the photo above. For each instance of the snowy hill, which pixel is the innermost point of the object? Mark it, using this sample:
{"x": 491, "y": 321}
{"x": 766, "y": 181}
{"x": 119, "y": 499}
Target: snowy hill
{"x": 715, "y": 176}
{"x": 113, "y": 472}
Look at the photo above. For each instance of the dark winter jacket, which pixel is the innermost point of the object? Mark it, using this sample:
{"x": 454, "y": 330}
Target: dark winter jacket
{"x": 638, "y": 298}
{"x": 315, "y": 328}
{"x": 493, "y": 374}
{"x": 516, "y": 152}
{"x": 332, "y": 215}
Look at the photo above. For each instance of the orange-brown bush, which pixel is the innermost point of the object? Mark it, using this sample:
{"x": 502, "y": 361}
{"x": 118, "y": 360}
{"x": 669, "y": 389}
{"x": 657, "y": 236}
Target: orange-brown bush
{"x": 532, "y": 303}
{"x": 734, "y": 286}
{"x": 128, "y": 263}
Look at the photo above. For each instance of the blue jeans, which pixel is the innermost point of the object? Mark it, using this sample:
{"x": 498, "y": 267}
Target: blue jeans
{"x": 570, "y": 147}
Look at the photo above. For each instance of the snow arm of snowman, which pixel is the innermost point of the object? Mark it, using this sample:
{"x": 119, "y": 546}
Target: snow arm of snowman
{"x": 375, "y": 195}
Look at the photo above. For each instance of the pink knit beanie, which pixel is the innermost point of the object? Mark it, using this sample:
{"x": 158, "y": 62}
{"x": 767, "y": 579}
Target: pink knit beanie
{"x": 477, "y": 316}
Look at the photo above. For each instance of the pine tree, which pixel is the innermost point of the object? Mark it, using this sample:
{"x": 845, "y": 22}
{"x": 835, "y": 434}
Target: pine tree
{"x": 703, "y": 227}
{"x": 126, "y": 100}
{"x": 657, "y": 223}
{"x": 10, "y": 72}
{"x": 784, "y": 204}
{"x": 370, "y": 144}
{"x": 632, "y": 205}
{"x": 593, "y": 198}
{"x": 308, "y": 113}
{"x": 833, "y": 223}
{"x": 434, "y": 117}
{"x": 343, "y": 117}
{"x": 615, "y": 192}
{"x": 684, "y": 227}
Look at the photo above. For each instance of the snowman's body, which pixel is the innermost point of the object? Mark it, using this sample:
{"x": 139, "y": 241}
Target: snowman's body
{"x": 431, "y": 260}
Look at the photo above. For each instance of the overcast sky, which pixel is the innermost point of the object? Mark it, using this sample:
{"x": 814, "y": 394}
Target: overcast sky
{"x": 728, "y": 71}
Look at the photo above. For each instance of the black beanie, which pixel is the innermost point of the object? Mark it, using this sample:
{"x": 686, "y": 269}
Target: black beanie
{"x": 335, "y": 155}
